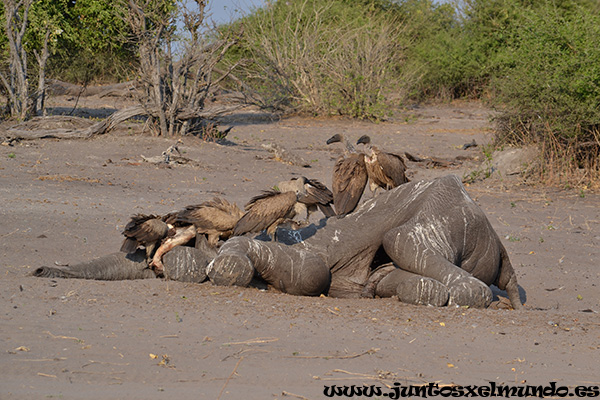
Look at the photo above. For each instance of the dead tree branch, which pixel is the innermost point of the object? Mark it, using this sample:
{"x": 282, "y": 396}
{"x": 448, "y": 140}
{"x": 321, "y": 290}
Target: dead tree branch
{"x": 177, "y": 86}
{"x": 38, "y": 128}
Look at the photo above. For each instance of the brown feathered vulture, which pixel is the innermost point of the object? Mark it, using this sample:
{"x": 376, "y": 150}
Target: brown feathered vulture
{"x": 144, "y": 230}
{"x": 266, "y": 211}
{"x": 313, "y": 195}
{"x": 349, "y": 178}
{"x": 215, "y": 219}
{"x": 385, "y": 170}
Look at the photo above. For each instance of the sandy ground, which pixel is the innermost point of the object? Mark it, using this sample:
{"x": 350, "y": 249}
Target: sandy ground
{"x": 67, "y": 201}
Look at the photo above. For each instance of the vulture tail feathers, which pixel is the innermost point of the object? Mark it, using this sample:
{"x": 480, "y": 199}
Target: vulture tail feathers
{"x": 129, "y": 245}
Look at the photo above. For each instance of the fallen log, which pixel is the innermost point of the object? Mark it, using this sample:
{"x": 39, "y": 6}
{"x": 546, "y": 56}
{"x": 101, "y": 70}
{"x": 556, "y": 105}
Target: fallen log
{"x": 41, "y": 127}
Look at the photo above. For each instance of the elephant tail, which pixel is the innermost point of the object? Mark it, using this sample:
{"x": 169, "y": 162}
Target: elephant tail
{"x": 507, "y": 280}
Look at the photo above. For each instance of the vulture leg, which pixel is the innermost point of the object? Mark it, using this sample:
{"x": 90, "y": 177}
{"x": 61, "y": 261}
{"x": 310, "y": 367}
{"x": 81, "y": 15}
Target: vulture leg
{"x": 374, "y": 191}
{"x": 181, "y": 237}
{"x": 150, "y": 249}
{"x": 213, "y": 239}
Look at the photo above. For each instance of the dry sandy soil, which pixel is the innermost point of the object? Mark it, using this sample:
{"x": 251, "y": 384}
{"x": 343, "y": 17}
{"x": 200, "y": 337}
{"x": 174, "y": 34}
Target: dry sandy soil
{"x": 67, "y": 201}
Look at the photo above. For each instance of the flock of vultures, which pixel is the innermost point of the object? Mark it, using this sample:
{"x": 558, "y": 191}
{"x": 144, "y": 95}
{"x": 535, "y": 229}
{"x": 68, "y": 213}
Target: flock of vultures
{"x": 218, "y": 219}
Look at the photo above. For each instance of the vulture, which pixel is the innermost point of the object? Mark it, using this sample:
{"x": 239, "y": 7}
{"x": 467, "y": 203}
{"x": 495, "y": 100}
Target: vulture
{"x": 385, "y": 170}
{"x": 144, "y": 230}
{"x": 349, "y": 178}
{"x": 215, "y": 219}
{"x": 313, "y": 195}
{"x": 267, "y": 211}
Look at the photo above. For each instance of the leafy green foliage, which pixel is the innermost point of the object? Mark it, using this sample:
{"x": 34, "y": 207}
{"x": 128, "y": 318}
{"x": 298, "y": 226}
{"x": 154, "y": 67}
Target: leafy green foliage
{"x": 537, "y": 62}
{"x": 87, "y": 39}
{"x": 548, "y": 87}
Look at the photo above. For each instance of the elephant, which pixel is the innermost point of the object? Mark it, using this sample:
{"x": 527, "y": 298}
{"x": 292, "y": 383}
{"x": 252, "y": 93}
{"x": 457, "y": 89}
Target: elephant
{"x": 439, "y": 246}
{"x": 425, "y": 242}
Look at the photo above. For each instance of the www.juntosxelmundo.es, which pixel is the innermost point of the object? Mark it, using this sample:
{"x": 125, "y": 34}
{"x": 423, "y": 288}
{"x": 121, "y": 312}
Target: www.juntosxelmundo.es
{"x": 398, "y": 391}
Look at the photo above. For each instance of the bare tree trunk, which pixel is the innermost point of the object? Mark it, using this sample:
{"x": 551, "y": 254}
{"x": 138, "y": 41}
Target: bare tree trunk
{"x": 40, "y": 104}
{"x": 37, "y": 128}
{"x": 18, "y": 86}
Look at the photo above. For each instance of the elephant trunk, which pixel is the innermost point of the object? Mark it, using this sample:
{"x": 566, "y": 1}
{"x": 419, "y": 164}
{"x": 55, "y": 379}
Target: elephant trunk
{"x": 185, "y": 264}
{"x": 116, "y": 266}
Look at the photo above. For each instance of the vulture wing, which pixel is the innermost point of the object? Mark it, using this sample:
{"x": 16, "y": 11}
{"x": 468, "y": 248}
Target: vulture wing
{"x": 319, "y": 194}
{"x": 217, "y": 214}
{"x": 316, "y": 192}
{"x": 394, "y": 167}
{"x": 264, "y": 210}
{"x": 143, "y": 229}
{"x": 348, "y": 183}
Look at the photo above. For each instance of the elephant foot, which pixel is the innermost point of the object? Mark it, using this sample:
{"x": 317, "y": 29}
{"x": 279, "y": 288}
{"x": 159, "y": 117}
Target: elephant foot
{"x": 423, "y": 291}
{"x": 470, "y": 292}
{"x": 230, "y": 270}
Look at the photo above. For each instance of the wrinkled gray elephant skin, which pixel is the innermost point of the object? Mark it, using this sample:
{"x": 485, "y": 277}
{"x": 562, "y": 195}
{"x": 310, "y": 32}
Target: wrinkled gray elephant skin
{"x": 443, "y": 248}
{"x": 185, "y": 264}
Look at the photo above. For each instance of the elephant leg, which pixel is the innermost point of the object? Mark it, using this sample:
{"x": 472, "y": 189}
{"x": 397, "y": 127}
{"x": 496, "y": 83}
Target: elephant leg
{"x": 294, "y": 270}
{"x": 413, "y": 289}
{"x": 376, "y": 276}
{"x": 426, "y": 253}
{"x": 231, "y": 266}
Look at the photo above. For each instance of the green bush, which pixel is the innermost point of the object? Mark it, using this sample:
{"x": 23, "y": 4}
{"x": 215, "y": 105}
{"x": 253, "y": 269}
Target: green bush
{"x": 458, "y": 58}
{"x": 535, "y": 61}
{"x": 548, "y": 88}
{"x": 87, "y": 43}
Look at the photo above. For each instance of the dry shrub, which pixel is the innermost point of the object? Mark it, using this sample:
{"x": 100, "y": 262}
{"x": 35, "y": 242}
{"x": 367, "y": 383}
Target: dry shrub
{"x": 565, "y": 160}
{"x": 323, "y": 57}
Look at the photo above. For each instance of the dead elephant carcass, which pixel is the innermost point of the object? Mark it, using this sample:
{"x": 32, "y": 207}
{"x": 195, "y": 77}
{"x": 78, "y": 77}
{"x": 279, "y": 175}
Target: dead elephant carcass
{"x": 432, "y": 245}
{"x": 443, "y": 248}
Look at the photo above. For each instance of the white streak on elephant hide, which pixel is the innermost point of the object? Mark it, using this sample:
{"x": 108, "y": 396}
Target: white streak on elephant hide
{"x": 369, "y": 205}
{"x": 466, "y": 227}
{"x": 424, "y": 291}
{"x": 462, "y": 189}
{"x": 210, "y": 266}
{"x": 336, "y": 237}
{"x": 297, "y": 236}
{"x": 432, "y": 236}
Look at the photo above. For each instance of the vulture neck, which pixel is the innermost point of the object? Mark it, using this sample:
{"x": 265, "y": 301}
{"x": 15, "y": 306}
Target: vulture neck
{"x": 348, "y": 148}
